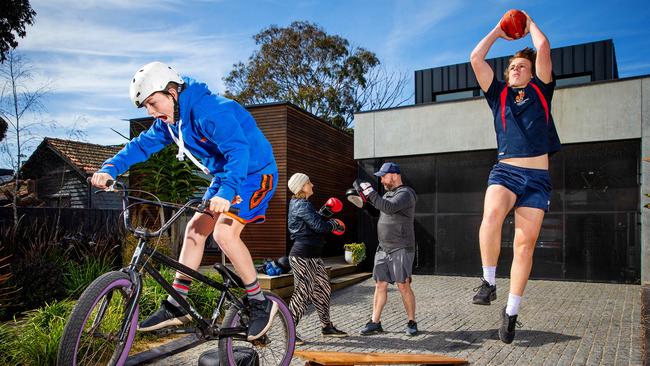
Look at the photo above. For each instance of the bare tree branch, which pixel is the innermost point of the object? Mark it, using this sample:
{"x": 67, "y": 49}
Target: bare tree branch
{"x": 16, "y": 100}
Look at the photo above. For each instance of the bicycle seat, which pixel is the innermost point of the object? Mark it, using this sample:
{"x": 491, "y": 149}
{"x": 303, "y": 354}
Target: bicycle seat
{"x": 226, "y": 273}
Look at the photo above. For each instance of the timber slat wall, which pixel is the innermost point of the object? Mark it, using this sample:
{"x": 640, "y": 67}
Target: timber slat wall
{"x": 301, "y": 143}
{"x": 268, "y": 240}
{"x": 325, "y": 154}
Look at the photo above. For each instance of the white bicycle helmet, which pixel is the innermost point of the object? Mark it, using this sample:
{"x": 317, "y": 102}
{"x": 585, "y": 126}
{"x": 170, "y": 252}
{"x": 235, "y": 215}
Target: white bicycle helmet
{"x": 152, "y": 77}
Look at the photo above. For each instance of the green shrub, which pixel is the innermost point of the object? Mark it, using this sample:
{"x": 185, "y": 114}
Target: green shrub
{"x": 7, "y": 341}
{"x": 34, "y": 340}
{"x": 152, "y": 293}
{"x": 7, "y": 293}
{"x": 38, "y": 276}
{"x": 202, "y": 297}
{"x": 79, "y": 275}
{"x": 162, "y": 245}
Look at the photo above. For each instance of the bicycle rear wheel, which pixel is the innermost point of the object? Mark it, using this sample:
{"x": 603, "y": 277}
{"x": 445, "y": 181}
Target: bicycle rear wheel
{"x": 274, "y": 348}
{"x": 91, "y": 335}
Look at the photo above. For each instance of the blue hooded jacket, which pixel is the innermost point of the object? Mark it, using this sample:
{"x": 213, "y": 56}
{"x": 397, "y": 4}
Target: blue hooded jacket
{"x": 218, "y": 131}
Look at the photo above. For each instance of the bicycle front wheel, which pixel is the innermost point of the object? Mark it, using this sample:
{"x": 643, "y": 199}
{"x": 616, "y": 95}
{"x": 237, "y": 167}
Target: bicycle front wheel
{"x": 91, "y": 335}
{"x": 274, "y": 348}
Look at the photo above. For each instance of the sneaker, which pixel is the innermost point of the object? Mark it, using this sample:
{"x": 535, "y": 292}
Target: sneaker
{"x": 166, "y": 316}
{"x": 507, "y": 328}
{"x": 485, "y": 293}
{"x": 412, "y": 328}
{"x": 331, "y": 331}
{"x": 299, "y": 341}
{"x": 261, "y": 317}
{"x": 372, "y": 328}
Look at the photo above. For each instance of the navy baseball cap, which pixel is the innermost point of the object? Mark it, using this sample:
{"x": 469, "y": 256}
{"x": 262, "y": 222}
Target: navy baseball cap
{"x": 388, "y": 168}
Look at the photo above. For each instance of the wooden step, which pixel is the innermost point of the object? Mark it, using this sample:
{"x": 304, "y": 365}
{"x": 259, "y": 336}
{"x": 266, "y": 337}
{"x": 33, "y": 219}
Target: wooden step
{"x": 337, "y": 270}
{"x": 348, "y": 280}
{"x": 322, "y": 358}
{"x": 271, "y": 282}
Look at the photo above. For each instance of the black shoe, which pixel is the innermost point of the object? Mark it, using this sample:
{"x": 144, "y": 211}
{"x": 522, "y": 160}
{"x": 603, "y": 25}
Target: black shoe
{"x": 261, "y": 317}
{"x": 372, "y": 328}
{"x": 412, "y": 328}
{"x": 166, "y": 316}
{"x": 507, "y": 328}
{"x": 299, "y": 341}
{"x": 331, "y": 331}
{"x": 485, "y": 293}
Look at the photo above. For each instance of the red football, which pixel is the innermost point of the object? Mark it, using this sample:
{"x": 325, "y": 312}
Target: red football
{"x": 513, "y": 23}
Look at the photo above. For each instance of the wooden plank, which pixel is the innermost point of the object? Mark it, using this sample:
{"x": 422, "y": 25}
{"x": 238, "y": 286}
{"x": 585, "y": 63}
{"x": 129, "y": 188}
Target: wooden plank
{"x": 272, "y": 282}
{"x": 341, "y": 270}
{"x": 284, "y": 292}
{"x": 348, "y": 280}
{"x": 356, "y": 358}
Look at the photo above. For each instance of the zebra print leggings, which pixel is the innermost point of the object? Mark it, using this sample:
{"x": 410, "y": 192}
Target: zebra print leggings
{"x": 311, "y": 284}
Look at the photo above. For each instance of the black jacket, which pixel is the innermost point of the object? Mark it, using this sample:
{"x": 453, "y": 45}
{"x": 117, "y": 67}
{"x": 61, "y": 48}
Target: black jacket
{"x": 306, "y": 228}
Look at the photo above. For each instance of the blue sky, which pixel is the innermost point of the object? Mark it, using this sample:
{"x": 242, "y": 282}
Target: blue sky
{"x": 89, "y": 50}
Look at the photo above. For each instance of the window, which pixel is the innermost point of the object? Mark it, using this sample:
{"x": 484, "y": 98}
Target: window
{"x": 443, "y": 97}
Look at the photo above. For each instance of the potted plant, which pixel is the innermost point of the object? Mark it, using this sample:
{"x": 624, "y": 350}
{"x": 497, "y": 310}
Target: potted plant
{"x": 355, "y": 252}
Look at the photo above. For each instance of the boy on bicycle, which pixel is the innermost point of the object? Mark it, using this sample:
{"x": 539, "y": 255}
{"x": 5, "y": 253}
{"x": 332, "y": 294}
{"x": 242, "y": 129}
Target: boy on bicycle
{"x": 222, "y": 139}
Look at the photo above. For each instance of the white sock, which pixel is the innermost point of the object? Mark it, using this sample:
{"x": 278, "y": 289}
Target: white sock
{"x": 489, "y": 274}
{"x": 513, "y": 304}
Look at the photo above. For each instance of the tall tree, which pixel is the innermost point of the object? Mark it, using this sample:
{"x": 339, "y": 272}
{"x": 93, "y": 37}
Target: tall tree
{"x": 18, "y": 97}
{"x": 319, "y": 72}
{"x": 14, "y": 15}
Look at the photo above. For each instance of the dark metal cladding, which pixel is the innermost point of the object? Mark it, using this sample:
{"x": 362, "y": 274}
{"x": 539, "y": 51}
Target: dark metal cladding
{"x": 593, "y": 61}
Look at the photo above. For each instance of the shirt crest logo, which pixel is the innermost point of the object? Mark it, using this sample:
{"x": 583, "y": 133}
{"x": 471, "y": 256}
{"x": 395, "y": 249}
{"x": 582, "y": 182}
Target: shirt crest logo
{"x": 520, "y": 96}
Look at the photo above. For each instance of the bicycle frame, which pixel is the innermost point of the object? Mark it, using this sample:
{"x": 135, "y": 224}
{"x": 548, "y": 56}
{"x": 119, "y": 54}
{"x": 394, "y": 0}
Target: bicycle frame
{"x": 141, "y": 260}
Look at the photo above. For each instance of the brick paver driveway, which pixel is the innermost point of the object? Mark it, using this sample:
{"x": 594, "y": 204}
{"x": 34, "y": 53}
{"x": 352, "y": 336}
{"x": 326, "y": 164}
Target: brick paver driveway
{"x": 564, "y": 323}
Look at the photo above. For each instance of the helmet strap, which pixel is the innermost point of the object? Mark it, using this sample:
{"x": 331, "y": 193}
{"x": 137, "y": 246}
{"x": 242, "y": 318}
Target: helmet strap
{"x": 177, "y": 111}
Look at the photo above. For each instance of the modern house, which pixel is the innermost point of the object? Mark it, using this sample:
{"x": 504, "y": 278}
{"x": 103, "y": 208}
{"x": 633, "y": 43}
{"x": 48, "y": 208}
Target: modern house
{"x": 594, "y": 231}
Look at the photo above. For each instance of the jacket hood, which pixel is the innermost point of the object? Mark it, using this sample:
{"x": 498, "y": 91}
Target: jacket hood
{"x": 192, "y": 94}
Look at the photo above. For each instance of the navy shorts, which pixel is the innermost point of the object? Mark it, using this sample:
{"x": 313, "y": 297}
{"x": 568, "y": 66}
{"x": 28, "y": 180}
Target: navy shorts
{"x": 532, "y": 186}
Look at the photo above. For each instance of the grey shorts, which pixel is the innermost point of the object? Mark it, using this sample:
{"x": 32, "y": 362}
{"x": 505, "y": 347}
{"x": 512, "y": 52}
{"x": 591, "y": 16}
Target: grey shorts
{"x": 396, "y": 266}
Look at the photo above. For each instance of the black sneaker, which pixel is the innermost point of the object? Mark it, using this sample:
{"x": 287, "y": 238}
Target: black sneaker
{"x": 412, "y": 328}
{"x": 485, "y": 293}
{"x": 261, "y": 317}
{"x": 372, "y": 328}
{"x": 331, "y": 331}
{"x": 166, "y": 316}
{"x": 507, "y": 328}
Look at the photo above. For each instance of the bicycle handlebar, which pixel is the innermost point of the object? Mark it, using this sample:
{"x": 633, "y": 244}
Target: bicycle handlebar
{"x": 189, "y": 205}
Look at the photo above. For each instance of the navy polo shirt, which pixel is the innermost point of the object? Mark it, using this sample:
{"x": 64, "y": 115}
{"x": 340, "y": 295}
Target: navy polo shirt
{"x": 522, "y": 119}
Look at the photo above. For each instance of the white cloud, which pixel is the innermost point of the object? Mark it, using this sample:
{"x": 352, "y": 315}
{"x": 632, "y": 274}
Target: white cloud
{"x": 89, "y": 51}
{"x": 413, "y": 18}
